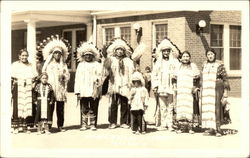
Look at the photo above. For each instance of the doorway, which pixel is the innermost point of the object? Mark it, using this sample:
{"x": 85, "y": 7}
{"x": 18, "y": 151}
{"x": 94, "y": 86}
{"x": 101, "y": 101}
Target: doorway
{"x": 74, "y": 36}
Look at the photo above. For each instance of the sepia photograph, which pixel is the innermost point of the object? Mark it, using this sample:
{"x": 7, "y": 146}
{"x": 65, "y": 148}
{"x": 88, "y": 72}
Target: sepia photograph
{"x": 125, "y": 79}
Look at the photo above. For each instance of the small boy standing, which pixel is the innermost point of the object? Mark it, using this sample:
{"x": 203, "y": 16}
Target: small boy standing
{"x": 139, "y": 103}
{"x": 44, "y": 98}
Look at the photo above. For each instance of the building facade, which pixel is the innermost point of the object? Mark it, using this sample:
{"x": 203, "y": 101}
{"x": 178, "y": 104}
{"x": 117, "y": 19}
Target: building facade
{"x": 222, "y": 31}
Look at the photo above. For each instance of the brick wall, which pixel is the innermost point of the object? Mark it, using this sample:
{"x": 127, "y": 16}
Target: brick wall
{"x": 226, "y": 16}
{"x": 235, "y": 84}
{"x": 176, "y": 32}
{"x": 182, "y": 31}
{"x": 197, "y": 45}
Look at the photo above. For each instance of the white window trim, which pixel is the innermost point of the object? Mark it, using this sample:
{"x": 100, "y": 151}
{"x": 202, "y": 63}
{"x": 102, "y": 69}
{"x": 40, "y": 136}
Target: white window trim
{"x": 226, "y": 47}
{"x": 74, "y": 46}
{"x": 104, "y": 33}
{"x": 117, "y": 30}
{"x": 156, "y": 22}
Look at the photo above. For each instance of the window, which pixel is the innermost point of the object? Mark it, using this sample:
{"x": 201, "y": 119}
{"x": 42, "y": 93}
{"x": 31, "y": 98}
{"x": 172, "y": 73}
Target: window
{"x": 126, "y": 33}
{"x": 225, "y": 39}
{"x": 123, "y": 32}
{"x": 68, "y": 36}
{"x": 235, "y": 47}
{"x": 74, "y": 37}
{"x": 80, "y": 36}
{"x": 160, "y": 32}
{"x": 109, "y": 34}
{"x": 217, "y": 40}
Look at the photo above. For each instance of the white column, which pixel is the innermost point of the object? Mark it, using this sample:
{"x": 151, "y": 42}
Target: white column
{"x": 31, "y": 40}
{"x": 94, "y": 30}
{"x": 89, "y": 32}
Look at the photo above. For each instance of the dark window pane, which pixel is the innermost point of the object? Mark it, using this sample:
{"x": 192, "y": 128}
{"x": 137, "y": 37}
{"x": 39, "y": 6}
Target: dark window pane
{"x": 109, "y": 34}
{"x": 219, "y": 53}
{"x": 80, "y": 36}
{"x": 216, "y": 35}
{"x": 235, "y": 58}
{"x": 160, "y": 32}
{"x": 235, "y": 36}
{"x": 68, "y": 36}
{"x": 126, "y": 33}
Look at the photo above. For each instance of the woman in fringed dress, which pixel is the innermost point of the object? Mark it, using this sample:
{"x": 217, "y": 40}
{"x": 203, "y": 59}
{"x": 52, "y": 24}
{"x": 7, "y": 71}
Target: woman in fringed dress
{"x": 215, "y": 87}
{"x": 23, "y": 76}
{"x": 187, "y": 75}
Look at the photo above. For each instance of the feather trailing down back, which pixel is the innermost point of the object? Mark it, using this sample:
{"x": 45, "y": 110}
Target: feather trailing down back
{"x": 139, "y": 50}
{"x": 107, "y": 66}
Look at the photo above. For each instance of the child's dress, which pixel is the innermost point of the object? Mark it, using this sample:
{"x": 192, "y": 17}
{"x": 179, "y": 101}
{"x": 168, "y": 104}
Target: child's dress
{"x": 44, "y": 97}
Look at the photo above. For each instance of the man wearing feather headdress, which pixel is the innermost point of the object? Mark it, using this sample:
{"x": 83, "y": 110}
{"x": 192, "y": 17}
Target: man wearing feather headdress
{"x": 120, "y": 68}
{"x": 55, "y": 52}
{"x": 88, "y": 82}
{"x": 162, "y": 75}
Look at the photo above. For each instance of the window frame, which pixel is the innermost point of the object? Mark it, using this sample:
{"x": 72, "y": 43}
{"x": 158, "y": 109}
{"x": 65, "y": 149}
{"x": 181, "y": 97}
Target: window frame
{"x": 217, "y": 47}
{"x": 226, "y": 47}
{"x": 129, "y": 32}
{"x": 117, "y": 30}
{"x": 157, "y": 22}
{"x": 104, "y": 35}
{"x": 73, "y": 46}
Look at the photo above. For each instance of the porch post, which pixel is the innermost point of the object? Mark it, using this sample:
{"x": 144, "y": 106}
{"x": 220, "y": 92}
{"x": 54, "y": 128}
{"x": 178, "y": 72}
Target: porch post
{"x": 31, "y": 40}
{"x": 89, "y": 32}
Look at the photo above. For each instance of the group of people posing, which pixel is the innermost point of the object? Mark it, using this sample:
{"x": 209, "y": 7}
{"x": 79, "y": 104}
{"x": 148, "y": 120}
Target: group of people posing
{"x": 185, "y": 96}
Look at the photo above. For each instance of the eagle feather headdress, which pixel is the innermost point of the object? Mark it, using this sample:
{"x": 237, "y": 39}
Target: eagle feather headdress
{"x": 53, "y": 43}
{"x": 86, "y": 47}
{"x": 118, "y": 43}
{"x": 166, "y": 43}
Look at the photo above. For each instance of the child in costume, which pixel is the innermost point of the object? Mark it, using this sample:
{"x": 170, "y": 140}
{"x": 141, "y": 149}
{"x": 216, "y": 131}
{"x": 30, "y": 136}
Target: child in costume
{"x": 139, "y": 103}
{"x": 44, "y": 99}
